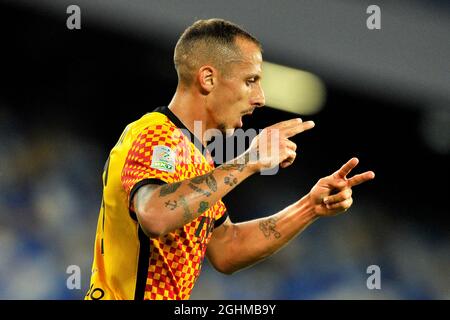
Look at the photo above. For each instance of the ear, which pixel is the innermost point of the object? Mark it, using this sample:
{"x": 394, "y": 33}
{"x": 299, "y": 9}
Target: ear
{"x": 207, "y": 78}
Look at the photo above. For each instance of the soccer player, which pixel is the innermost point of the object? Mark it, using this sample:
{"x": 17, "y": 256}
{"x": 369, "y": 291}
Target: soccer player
{"x": 162, "y": 211}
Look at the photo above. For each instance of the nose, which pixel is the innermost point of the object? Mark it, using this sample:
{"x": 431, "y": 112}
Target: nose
{"x": 259, "y": 99}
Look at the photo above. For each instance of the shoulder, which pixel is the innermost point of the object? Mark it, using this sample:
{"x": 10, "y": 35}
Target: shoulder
{"x": 154, "y": 125}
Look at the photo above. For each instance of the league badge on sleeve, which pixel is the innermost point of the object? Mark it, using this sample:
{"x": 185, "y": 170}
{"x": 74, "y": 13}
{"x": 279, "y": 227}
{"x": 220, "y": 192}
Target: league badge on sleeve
{"x": 163, "y": 158}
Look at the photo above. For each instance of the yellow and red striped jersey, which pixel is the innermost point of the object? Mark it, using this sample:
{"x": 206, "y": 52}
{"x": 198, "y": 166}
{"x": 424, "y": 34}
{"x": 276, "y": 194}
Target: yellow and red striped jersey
{"x": 155, "y": 149}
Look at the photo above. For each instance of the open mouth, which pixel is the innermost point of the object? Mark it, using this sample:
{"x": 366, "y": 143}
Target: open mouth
{"x": 248, "y": 112}
{"x": 243, "y": 114}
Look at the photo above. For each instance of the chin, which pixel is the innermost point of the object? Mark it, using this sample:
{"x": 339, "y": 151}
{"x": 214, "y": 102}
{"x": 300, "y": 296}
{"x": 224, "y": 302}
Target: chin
{"x": 229, "y": 132}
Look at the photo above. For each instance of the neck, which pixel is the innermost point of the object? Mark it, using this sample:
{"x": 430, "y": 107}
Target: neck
{"x": 189, "y": 108}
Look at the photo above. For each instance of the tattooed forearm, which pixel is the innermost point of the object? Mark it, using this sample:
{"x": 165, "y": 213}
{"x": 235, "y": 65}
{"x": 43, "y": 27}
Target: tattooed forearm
{"x": 268, "y": 227}
{"x": 199, "y": 190}
{"x": 232, "y": 166}
{"x": 208, "y": 179}
{"x": 230, "y": 180}
{"x": 171, "y": 204}
{"x": 169, "y": 188}
{"x": 187, "y": 215}
{"x": 198, "y": 180}
{"x": 241, "y": 162}
{"x": 211, "y": 182}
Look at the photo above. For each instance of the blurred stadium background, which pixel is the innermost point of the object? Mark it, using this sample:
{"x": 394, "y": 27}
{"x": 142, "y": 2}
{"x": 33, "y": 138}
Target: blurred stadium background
{"x": 66, "y": 96}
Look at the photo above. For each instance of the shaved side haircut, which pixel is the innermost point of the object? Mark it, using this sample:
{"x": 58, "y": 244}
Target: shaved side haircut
{"x": 211, "y": 42}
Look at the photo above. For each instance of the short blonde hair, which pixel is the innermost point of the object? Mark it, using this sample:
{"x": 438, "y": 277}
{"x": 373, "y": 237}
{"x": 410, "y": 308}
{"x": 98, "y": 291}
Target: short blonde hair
{"x": 208, "y": 41}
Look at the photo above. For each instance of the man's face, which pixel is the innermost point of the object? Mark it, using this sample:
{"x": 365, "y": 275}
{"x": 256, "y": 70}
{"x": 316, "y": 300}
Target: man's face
{"x": 239, "y": 91}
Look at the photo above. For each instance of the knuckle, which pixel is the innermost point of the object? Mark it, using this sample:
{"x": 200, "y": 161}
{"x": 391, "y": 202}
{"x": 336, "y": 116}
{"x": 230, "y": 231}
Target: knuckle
{"x": 294, "y": 146}
{"x": 342, "y": 183}
{"x": 347, "y": 194}
{"x": 348, "y": 203}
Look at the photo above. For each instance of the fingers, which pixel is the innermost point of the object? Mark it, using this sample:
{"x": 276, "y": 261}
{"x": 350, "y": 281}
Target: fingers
{"x": 339, "y": 197}
{"x": 291, "y": 145}
{"x": 340, "y": 185}
{"x": 356, "y": 179}
{"x": 289, "y": 160}
{"x": 285, "y": 164}
{"x": 300, "y": 127}
{"x": 334, "y": 183}
{"x": 346, "y": 168}
{"x": 290, "y": 128}
{"x": 341, "y": 206}
{"x": 285, "y": 124}
{"x": 360, "y": 178}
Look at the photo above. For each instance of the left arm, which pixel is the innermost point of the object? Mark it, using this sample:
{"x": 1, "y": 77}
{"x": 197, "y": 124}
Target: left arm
{"x": 236, "y": 246}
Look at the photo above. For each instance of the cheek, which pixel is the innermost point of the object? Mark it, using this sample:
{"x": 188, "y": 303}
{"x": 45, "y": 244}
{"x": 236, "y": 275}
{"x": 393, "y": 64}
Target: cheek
{"x": 231, "y": 99}
{"x": 238, "y": 95}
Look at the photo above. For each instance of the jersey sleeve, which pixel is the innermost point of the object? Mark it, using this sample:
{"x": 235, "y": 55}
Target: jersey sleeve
{"x": 220, "y": 214}
{"x": 152, "y": 159}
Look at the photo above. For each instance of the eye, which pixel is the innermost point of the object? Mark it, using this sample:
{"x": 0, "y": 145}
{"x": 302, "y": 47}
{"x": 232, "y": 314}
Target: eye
{"x": 250, "y": 81}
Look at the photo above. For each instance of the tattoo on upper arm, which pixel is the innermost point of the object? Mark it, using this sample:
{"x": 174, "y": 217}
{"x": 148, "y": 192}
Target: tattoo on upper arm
{"x": 203, "y": 207}
{"x": 268, "y": 227}
{"x": 169, "y": 188}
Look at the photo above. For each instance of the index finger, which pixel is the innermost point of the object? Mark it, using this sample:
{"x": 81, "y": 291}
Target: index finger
{"x": 292, "y": 127}
{"x": 287, "y": 124}
{"x": 346, "y": 168}
{"x": 303, "y": 126}
{"x": 360, "y": 178}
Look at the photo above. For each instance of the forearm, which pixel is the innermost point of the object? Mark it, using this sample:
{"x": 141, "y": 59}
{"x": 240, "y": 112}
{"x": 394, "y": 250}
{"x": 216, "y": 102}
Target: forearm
{"x": 173, "y": 205}
{"x": 255, "y": 240}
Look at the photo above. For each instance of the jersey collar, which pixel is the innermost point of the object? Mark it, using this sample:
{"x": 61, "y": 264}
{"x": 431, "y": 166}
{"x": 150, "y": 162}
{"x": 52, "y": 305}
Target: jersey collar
{"x": 177, "y": 122}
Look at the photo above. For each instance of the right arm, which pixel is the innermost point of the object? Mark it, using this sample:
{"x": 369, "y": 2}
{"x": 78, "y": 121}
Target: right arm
{"x": 162, "y": 209}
